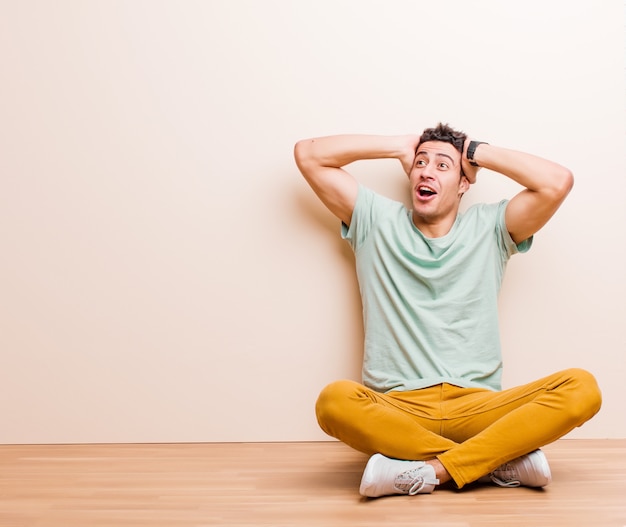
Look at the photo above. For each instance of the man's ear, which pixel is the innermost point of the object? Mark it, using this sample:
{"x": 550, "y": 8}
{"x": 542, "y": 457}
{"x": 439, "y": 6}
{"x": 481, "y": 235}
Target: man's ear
{"x": 464, "y": 185}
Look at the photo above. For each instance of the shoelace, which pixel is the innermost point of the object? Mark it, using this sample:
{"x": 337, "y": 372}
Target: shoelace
{"x": 507, "y": 476}
{"x": 412, "y": 482}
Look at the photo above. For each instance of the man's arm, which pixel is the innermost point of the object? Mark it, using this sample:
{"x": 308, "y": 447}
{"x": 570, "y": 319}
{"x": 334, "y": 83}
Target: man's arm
{"x": 321, "y": 161}
{"x": 546, "y": 186}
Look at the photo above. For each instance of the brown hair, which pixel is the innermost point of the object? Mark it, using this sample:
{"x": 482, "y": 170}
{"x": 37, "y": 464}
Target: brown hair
{"x": 446, "y": 134}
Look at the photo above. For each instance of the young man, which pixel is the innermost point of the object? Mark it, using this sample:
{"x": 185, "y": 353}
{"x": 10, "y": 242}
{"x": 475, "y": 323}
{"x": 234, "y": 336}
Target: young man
{"x": 431, "y": 408}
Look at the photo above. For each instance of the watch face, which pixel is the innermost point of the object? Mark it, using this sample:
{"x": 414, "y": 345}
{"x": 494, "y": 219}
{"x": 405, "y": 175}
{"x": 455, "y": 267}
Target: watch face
{"x": 472, "y": 148}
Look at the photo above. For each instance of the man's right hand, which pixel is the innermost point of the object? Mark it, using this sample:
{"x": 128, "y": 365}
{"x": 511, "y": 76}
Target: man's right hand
{"x": 407, "y": 155}
{"x": 321, "y": 161}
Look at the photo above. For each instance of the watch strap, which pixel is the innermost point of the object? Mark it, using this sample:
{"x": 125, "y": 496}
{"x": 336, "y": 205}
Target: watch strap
{"x": 471, "y": 149}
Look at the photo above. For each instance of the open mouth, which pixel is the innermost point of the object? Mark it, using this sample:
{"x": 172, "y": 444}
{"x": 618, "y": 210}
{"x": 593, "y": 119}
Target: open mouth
{"x": 426, "y": 192}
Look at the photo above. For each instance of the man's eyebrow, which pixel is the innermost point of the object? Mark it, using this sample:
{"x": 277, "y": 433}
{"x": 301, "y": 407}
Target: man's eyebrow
{"x": 437, "y": 154}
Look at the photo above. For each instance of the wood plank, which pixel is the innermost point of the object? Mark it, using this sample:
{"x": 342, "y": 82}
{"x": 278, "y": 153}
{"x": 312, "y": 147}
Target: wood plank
{"x": 285, "y": 484}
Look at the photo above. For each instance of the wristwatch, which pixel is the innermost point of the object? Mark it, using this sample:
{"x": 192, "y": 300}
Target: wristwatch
{"x": 471, "y": 149}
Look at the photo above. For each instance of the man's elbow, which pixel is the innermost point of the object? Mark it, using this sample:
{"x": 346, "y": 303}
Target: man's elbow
{"x": 302, "y": 152}
{"x": 306, "y": 160}
{"x": 566, "y": 182}
{"x": 561, "y": 184}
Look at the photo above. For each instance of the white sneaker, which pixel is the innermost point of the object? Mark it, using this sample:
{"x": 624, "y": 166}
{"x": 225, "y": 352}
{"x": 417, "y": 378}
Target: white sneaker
{"x": 531, "y": 470}
{"x": 384, "y": 476}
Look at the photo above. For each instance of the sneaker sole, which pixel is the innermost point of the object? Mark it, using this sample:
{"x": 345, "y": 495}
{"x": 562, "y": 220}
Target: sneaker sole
{"x": 540, "y": 462}
{"x": 368, "y": 487}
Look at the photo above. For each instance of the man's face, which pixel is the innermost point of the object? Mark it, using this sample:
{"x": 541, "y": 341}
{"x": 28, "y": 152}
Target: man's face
{"x": 436, "y": 182}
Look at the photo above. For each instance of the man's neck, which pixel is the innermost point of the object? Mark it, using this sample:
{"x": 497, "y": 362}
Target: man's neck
{"x": 434, "y": 229}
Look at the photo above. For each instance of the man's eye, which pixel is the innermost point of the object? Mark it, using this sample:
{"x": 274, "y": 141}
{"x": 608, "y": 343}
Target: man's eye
{"x": 420, "y": 163}
{"x": 444, "y": 166}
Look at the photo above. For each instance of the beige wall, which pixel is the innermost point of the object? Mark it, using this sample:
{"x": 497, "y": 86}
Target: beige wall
{"x": 166, "y": 275}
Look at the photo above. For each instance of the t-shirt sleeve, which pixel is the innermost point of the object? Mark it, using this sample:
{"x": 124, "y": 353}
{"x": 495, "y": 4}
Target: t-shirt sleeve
{"x": 369, "y": 208}
{"x": 507, "y": 245}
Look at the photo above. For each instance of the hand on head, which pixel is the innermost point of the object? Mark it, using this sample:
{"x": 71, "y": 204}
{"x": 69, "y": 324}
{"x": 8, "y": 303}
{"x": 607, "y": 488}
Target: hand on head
{"x": 470, "y": 171}
{"x": 407, "y": 158}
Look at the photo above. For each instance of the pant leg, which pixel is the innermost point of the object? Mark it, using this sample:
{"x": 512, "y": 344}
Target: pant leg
{"x": 491, "y": 428}
{"x": 373, "y": 422}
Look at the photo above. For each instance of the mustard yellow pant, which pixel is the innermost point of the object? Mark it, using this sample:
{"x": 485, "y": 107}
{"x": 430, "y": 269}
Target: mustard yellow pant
{"x": 471, "y": 431}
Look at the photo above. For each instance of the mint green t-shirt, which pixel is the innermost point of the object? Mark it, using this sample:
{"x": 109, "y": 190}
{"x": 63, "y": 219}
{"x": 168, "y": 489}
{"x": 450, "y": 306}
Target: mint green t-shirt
{"x": 430, "y": 306}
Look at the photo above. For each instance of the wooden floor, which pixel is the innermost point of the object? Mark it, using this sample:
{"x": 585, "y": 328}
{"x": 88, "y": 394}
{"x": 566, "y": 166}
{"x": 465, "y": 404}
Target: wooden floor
{"x": 286, "y": 484}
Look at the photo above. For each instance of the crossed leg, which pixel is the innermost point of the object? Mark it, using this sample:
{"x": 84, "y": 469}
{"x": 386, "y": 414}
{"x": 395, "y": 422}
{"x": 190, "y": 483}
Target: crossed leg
{"x": 469, "y": 431}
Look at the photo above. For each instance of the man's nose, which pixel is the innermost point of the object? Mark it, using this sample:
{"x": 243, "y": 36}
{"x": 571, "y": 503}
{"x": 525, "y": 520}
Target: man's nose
{"x": 428, "y": 172}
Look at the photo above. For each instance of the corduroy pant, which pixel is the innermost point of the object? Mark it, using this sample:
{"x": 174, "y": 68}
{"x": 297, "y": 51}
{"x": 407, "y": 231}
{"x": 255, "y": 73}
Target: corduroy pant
{"x": 471, "y": 431}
